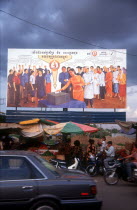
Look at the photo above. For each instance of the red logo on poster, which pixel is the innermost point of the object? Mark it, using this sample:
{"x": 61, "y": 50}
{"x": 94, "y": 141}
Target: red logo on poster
{"x": 54, "y": 65}
{"x": 94, "y": 53}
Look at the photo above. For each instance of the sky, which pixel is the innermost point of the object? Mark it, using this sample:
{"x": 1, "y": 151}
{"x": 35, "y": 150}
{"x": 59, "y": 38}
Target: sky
{"x": 73, "y": 24}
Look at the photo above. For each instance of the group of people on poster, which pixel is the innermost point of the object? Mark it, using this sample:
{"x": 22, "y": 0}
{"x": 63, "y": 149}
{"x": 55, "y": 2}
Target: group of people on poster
{"x": 26, "y": 83}
{"x": 83, "y": 83}
{"x": 89, "y": 83}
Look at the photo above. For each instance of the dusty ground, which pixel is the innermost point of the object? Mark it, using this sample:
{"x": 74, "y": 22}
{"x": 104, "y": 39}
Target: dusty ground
{"x": 113, "y": 103}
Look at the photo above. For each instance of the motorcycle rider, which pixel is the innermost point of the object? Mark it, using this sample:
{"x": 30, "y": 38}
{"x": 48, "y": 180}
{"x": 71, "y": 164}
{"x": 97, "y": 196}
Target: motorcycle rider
{"x": 110, "y": 154}
{"x": 131, "y": 164}
{"x": 77, "y": 150}
{"x": 91, "y": 148}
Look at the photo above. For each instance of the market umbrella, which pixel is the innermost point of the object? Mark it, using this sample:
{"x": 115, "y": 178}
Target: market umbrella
{"x": 69, "y": 127}
{"x": 35, "y": 121}
{"x": 28, "y": 122}
{"x": 35, "y": 128}
{"x": 48, "y": 122}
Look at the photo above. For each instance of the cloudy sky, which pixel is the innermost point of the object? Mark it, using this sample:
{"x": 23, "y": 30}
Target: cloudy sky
{"x": 73, "y": 24}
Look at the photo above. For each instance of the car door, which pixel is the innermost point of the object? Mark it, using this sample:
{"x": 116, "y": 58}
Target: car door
{"x": 17, "y": 179}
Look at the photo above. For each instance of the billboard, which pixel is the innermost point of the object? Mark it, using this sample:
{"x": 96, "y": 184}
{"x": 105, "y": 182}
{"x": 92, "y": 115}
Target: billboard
{"x": 66, "y": 78}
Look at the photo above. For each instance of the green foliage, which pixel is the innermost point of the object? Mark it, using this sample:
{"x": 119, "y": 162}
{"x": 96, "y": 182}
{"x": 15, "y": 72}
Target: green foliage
{"x": 120, "y": 144}
{"x": 114, "y": 130}
{"x": 103, "y": 132}
{"x": 47, "y": 153}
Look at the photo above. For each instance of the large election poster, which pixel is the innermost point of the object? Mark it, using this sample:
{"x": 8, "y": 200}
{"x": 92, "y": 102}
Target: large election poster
{"x": 66, "y": 78}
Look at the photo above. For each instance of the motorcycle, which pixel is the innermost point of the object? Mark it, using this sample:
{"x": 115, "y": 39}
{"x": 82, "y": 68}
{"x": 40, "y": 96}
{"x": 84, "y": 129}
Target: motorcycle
{"x": 96, "y": 166}
{"x": 112, "y": 176}
{"x": 62, "y": 164}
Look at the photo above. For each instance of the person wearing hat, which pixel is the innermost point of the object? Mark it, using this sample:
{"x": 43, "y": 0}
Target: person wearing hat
{"x": 110, "y": 154}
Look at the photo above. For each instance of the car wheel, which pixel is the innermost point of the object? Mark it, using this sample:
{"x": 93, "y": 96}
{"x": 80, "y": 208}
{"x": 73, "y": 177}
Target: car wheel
{"x": 92, "y": 170}
{"x": 45, "y": 205}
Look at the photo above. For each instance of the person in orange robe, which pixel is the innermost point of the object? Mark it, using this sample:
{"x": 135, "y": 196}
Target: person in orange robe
{"x": 77, "y": 83}
{"x": 108, "y": 80}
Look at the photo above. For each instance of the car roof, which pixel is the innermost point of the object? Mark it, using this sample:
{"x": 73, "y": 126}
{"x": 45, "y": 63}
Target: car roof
{"x": 17, "y": 152}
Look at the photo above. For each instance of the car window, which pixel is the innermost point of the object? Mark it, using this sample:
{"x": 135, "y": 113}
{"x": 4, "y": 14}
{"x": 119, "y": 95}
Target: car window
{"x": 15, "y": 163}
{"x": 16, "y": 168}
{"x": 48, "y": 166}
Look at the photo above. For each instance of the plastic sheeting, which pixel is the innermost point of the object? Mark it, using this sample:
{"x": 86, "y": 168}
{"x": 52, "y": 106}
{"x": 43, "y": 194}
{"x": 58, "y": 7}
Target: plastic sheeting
{"x": 127, "y": 127}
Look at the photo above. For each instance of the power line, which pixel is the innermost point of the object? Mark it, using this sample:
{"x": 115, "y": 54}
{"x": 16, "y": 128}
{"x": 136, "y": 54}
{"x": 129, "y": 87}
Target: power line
{"x": 61, "y": 34}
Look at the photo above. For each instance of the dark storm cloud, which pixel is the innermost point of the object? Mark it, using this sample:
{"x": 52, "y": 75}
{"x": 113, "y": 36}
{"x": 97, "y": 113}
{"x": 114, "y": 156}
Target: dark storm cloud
{"x": 105, "y": 23}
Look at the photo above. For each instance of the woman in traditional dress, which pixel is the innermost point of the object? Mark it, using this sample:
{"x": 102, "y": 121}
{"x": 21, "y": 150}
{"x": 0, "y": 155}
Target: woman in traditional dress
{"x": 40, "y": 85}
{"x": 48, "y": 82}
{"x": 108, "y": 80}
{"x": 122, "y": 85}
{"x": 16, "y": 86}
{"x": 77, "y": 85}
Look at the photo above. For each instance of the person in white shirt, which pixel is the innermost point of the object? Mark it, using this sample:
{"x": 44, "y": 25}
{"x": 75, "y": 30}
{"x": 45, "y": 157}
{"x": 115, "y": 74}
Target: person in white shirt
{"x": 88, "y": 88}
{"x": 103, "y": 144}
{"x": 96, "y": 87}
{"x": 110, "y": 153}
